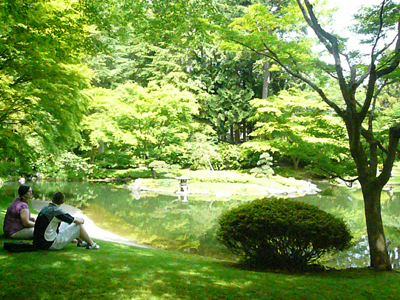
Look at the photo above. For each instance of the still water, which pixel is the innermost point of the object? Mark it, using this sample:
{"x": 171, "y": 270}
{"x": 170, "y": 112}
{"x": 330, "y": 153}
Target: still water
{"x": 188, "y": 225}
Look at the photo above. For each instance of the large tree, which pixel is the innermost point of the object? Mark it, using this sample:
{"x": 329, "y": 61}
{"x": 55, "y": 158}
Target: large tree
{"x": 373, "y": 158}
{"x": 147, "y": 123}
{"x": 41, "y": 76}
{"x": 295, "y": 125}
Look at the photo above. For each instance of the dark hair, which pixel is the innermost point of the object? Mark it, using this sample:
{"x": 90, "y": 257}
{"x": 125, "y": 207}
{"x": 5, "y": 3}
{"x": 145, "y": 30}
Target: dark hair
{"x": 58, "y": 198}
{"x": 23, "y": 189}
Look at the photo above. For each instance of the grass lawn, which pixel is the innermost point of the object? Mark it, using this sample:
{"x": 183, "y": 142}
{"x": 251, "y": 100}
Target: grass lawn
{"x": 123, "y": 272}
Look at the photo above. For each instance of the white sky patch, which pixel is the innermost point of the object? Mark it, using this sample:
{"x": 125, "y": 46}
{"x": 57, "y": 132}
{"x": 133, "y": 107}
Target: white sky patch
{"x": 343, "y": 18}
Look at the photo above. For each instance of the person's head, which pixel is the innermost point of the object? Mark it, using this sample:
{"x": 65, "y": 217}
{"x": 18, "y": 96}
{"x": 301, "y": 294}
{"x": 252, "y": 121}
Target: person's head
{"x": 25, "y": 191}
{"x": 58, "y": 198}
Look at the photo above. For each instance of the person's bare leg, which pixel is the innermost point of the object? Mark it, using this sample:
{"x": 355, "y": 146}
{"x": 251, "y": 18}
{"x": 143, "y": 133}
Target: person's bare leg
{"x": 85, "y": 236}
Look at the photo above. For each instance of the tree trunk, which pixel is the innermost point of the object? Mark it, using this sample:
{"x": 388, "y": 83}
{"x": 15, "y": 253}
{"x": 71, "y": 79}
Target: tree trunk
{"x": 244, "y": 132}
{"x": 101, "y": 147}
{"x": 153, "y": 173}
{"x": 379, "y": 256}
{"x": 237, "y": 134}
{"x": 266, "y": 76}
{"x": 295, "y": 163}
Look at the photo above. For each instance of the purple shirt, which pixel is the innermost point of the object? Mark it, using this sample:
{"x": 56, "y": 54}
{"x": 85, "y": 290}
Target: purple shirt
{"x": 12, "y": 220}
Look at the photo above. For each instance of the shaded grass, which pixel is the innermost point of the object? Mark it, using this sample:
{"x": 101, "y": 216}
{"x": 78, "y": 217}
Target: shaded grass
{"x": 124, "y": 272}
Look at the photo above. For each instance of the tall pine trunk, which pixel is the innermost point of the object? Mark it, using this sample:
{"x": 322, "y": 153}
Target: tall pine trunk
{"x": 266, "y": 77}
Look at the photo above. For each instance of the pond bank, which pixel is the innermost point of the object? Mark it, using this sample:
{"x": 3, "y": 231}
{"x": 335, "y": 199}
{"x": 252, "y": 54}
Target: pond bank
{"x": 225, "y": 189}
{"x": 93, "y": 231}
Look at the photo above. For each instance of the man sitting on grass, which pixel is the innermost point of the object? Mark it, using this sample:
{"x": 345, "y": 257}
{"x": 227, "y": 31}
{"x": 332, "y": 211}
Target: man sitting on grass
{"x": 55, "y": 228}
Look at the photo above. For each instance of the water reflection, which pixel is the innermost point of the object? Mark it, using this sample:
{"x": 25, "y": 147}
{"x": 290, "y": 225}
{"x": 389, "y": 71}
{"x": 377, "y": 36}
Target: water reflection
{"x": 187, "y": 222}
{"x": 182, "y": 192}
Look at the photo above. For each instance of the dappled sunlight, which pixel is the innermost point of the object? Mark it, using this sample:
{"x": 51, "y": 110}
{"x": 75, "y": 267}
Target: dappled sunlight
{"x": 57, "y": 264}
{"x": 380, "y": 243}
{"x": 86, "y": 258}
{"x": 120, "y": 269}
{"x": 120, "y": 272}
{"x": 6, "y": 261}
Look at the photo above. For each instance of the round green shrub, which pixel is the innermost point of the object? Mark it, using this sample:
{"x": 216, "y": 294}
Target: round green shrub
{"x": 281, "y": 233}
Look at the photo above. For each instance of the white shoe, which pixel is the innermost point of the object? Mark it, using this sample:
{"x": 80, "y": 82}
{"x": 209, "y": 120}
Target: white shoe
{"x": 93, "y": 247}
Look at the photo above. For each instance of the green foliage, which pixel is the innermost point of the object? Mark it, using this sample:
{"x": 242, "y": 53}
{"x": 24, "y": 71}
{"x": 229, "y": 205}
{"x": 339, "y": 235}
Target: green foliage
{"x": 65, "y": 166}
{"x": 229, "y": 83}
{"x": 281, "y": 29}
{"x": 140, "y": 62}
{"x": 280, "y": 233}
{"x": 265, "y": 163}
{"x": 294, "y": 126}
{"x": 114, "y": 157}
{"x": 41, "y": 76}
{"x": 177, "y": 22}
{"x": 230, "y": 155}
{"x": 202, "y": 152}
{"x": 158, "y": 164}
{"x": 144, "y": 121}
{"x": 249, "y": 154}
{"x": 122, "y": 174}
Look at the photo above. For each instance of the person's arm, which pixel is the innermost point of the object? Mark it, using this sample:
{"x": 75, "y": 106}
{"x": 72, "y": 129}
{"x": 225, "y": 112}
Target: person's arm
{"x": 33, "y": 219}
{"x": 24, "y": 215}
{"x": 79, "y": 221}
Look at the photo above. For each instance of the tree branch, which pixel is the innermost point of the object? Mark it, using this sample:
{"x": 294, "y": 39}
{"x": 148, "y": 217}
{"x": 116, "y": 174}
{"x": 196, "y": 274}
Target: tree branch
{"x": 331, "y": 44}
{"x": 297, "y": 75}
{"x": 394, "y": 136}
{"x": 395, "y": 59}
{"x": 348, "y": 182}
{"x": 373, "y": 57}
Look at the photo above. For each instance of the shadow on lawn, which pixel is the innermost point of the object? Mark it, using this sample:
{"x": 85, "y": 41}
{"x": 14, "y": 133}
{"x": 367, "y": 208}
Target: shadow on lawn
{"x": 124, "y": 272}
{"x": 118, "y": 271}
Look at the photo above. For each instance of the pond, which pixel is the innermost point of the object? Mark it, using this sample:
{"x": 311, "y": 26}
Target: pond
{"x": 170, "y": 222}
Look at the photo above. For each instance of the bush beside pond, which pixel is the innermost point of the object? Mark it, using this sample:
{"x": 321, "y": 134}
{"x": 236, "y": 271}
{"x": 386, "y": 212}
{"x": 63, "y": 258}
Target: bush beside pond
{"x": 281, "y": 233}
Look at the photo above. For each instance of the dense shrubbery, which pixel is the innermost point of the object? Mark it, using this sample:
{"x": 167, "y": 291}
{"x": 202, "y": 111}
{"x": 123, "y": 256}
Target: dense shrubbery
{"x": 65, "y": 166}
{"x": 281, "y": 233}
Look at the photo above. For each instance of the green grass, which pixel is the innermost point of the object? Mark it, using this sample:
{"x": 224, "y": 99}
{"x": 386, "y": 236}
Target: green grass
{"x": 123, "y": 272}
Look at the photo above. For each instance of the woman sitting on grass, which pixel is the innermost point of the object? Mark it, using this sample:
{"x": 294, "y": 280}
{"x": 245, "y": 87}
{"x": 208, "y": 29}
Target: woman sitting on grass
{"x": 18, "y": 223}
{"x": 55, "y": 228}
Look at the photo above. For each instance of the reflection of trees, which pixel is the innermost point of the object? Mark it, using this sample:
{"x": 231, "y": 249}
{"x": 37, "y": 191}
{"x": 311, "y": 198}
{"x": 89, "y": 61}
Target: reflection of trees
{"x": 170, "y": 224}
{"x": 348, "y": 204}
{"x": 75, "y": 192}
{"x": 358, "y": 255}
{"x": 344, "y": 203}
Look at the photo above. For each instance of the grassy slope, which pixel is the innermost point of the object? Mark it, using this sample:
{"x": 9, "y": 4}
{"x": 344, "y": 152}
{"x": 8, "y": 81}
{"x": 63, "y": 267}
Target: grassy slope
{"x": 123, "y": 272}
